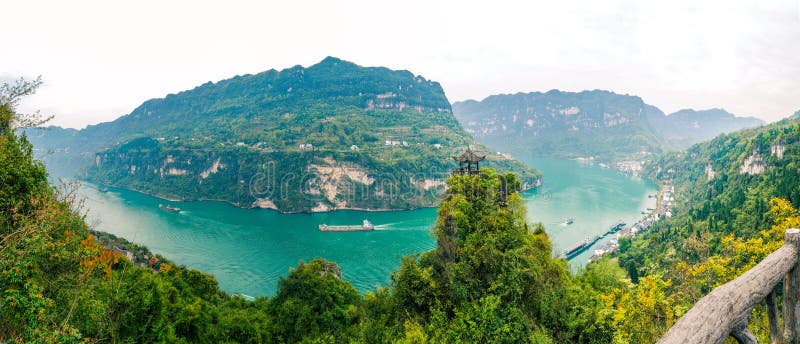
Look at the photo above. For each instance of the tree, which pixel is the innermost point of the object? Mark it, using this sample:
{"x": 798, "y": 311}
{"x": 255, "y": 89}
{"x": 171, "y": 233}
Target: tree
{"x": 10, "y": 97}
{"x": 491, "y": 277}
{"x": 314, "y": 302}
{"x": 28, "y": 177}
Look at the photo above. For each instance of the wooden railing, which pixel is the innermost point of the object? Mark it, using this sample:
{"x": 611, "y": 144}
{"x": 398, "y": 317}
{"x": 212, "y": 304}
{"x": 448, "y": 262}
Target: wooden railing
{"x": 726, "y": 310}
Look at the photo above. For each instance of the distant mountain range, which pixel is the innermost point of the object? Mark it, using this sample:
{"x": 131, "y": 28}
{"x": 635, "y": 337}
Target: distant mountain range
{"x": 687, "y": 127}
{"x": 334, "y": 135}
{"x": 603, "y": 125}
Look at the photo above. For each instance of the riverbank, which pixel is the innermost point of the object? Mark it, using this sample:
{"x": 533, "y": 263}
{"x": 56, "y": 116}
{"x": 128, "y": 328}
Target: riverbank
{"x": 261, "y": 203}
{"x": 632, "y": 167}
{"x": 170, "y": 199}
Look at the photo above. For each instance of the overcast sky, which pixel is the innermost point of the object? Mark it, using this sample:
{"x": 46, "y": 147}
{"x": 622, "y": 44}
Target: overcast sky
{"x": 101, "y": 59}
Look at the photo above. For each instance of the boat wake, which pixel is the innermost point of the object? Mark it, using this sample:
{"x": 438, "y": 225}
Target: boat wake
{"x": 399, "y": 227}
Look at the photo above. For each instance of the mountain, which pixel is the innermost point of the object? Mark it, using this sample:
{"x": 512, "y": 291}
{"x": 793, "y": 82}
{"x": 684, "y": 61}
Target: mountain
{"x": 63, "y": 149}
{"x": 600, "y": 124}
{"x": 730, "y": 180}
{"x": 334, "y": 135}
{"x": 687, "y": 127}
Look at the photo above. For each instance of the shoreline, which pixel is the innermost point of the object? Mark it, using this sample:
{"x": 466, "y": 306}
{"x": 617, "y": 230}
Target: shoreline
{"x": 259, "y": 208}
{"x": 536, "y": 186}
{"x": 615, "y": 165}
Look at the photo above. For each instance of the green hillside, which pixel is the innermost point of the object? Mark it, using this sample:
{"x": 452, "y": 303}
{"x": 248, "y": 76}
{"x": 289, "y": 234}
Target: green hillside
{"x": 331, "y": 136}
{"x": 734, "y": 197}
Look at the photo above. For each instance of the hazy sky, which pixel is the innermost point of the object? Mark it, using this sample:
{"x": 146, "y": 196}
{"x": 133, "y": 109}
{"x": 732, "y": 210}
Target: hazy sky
{"x": 101, "y": 59}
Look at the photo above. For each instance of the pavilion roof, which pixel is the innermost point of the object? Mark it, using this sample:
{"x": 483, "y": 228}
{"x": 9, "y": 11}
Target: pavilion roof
{"x": 469, "y": 156}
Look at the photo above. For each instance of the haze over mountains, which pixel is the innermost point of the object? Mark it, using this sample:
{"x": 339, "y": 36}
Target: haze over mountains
{"x": 600, "y": 124}
{"x": 331, "y": 136}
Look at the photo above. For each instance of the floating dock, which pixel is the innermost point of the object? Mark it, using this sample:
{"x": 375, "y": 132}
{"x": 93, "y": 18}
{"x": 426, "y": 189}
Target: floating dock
{"x": 579, "y": 248}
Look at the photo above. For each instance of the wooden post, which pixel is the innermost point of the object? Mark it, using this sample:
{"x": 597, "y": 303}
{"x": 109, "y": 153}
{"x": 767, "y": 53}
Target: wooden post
{"x": 741, "y": 333}
{"x": 775, "y": 335}
{"x": 791, "y": 293}
{"x": 744, "y": 337}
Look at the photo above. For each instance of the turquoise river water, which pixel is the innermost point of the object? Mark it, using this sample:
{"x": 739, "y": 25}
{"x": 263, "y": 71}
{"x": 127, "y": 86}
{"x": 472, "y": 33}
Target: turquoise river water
{"x": 248, "y": 250}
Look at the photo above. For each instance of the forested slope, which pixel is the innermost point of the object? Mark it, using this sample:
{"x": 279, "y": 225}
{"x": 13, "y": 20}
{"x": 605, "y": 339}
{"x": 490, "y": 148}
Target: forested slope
{"x": 734, "y": 197}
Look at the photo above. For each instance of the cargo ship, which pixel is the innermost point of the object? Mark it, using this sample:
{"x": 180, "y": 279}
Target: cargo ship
{"x": 366, "y": 226}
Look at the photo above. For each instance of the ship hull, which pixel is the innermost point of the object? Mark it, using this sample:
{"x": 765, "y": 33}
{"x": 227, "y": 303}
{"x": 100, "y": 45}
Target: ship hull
{"x": 345, "y": 228}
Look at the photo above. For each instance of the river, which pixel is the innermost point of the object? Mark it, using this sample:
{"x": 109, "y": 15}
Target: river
{"x": 597, "y": 198}
{"x": 248, "y": 250}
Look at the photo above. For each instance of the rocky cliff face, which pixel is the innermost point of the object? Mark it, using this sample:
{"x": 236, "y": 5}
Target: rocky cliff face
{"x": 288, "y": 182}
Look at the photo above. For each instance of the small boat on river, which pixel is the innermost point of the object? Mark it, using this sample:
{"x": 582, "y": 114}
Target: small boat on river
{"x": 169, "y": 208}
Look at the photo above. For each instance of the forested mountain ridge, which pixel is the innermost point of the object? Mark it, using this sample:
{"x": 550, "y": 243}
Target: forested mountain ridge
{"x": 334, "y": 135}
{"x": 599, "y": 124}
{"x": 733, "y": 177}
{"x": 734, "y": 197}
